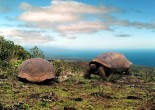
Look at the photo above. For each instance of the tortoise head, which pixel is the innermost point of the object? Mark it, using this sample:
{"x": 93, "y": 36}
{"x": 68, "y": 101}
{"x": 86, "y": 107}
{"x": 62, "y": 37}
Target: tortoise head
{"x": 92, "y": 66}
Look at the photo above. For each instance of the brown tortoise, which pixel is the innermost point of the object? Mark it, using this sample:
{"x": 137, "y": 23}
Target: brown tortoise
{"x": 107, "y": 63}
{"x": 36, "y": 70}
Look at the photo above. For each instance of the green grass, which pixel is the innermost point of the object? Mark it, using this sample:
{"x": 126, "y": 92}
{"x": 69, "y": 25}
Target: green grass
{"x": 136, "y": 91}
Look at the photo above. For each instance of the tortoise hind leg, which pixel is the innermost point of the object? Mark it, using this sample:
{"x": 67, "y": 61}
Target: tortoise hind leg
{"x": 101, "y": 72}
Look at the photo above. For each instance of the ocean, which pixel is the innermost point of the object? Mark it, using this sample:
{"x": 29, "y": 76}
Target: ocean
{"x": 142, "y": 57}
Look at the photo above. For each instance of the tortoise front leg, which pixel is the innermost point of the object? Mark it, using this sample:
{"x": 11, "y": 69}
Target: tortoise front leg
{"x": 101, "y": 72}
{"x": 87, "y": 74}
{"x": 128, "y": 71}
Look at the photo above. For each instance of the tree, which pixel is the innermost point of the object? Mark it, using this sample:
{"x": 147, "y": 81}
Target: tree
{"x": 36, "y": 52}
{"x": 5, "y": 48}
{"x": 9, "y": 51}
{"x": 19, "y": 53}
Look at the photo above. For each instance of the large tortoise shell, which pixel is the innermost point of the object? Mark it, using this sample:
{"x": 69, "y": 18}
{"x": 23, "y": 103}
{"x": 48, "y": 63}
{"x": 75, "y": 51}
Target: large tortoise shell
{"x": 36, "y": 70}
{"x": 113, "y": 60}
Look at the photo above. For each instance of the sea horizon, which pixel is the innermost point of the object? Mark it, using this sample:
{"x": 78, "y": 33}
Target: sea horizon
{"x": 142, "y": 57}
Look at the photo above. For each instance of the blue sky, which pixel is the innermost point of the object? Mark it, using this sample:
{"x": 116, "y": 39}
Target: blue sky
{"x": 79, "y": 24}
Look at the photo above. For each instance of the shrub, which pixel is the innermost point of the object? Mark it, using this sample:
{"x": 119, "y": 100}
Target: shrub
{"x": 149, "y": 76}
{"x": 113, "y": 77}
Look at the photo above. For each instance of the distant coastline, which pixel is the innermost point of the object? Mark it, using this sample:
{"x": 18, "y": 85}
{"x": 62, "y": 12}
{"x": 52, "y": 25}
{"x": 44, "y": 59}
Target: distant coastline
{"x": 142, "y": 57}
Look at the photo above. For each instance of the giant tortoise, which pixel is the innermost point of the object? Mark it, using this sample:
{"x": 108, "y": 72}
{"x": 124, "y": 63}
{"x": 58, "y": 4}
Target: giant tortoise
{"x": 36, "y": 70}
{"x": 107, "y": 63}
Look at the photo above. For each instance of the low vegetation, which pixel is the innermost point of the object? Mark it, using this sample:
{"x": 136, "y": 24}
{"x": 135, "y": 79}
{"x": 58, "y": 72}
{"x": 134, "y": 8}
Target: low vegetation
{"x": 73, "y": 92}
{"x": 136, "y": 91}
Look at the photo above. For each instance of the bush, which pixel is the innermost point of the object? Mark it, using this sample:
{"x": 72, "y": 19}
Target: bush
{"x": 149, "y": 76}
{"x": 9, "y": 51}
{"x": 10, "y": 71}
{"x": 113, "y": 77}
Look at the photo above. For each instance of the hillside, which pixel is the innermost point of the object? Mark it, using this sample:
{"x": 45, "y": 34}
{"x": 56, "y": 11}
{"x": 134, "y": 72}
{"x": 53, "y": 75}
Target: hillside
{"x": 135, "y": 91}
{"x": 72, "y": 91}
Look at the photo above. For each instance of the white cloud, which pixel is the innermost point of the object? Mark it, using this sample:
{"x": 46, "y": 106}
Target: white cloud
{"x": 77, "y": 7}
{"x": 26, "y": 37}
{"x": 28, "y": 7}
{"x": 46, "y": 17}
{"x": 81, "y": 27}
{"x": 69, "y": 17}
{"x": 61, "y": 11}
{"x": 8, "y": 32}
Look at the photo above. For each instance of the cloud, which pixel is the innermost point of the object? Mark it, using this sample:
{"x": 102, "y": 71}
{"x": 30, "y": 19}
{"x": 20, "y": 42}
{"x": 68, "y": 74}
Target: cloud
{"x": 27, "y": 25}
{"x": 141, "y": 25}
{"x": 111, "y": 21}
{"x": 81, "y": 27}
{"x": 28, "y": 7}
{"x": 46, "y": 17}
{"x": 61, "y": 11}
{"x": 7, "y": 25}
{"x": 26, "y": 36}
{"x": 72, "y": 17}
{"x": 123, "y": 35}
{"x": 138, "y": 25}
{"x": 67, "y": 17}
{"x": 72, "y": 37}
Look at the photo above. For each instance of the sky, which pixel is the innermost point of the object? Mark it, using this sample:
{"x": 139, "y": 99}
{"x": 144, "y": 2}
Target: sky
{"x": 79, "y": 24}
